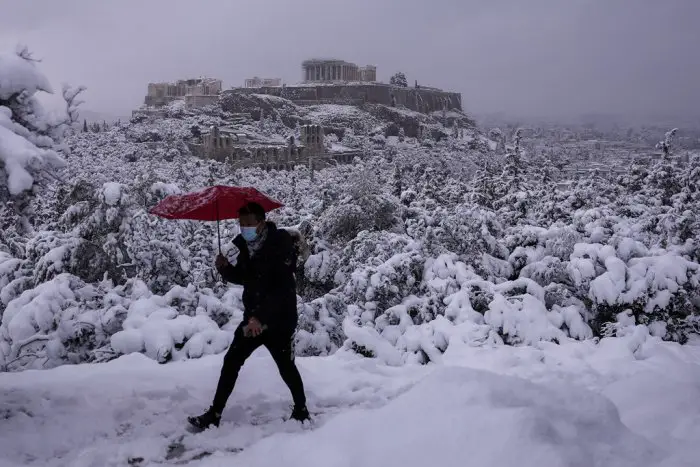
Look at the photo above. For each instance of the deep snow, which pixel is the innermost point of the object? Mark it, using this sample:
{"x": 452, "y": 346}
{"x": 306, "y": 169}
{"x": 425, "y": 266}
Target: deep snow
{"x": 626, "y": 401}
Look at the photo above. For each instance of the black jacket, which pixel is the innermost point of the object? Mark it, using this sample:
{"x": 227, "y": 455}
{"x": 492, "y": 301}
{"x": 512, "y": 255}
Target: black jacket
{"x": 269, "y": 285}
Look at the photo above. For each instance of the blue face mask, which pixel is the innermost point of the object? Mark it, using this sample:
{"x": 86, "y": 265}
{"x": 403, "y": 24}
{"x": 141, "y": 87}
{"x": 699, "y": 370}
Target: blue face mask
{"x": 249, "y": 233}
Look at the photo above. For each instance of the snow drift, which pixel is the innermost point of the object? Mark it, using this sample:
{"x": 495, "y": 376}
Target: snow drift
{"x": 460, "y": 416}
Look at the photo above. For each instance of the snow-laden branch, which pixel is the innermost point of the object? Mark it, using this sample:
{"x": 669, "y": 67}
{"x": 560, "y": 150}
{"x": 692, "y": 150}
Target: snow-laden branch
{"x": 30, "y": 137}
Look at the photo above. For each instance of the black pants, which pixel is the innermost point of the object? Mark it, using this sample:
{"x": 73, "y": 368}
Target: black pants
{"x": 279, "y": 344}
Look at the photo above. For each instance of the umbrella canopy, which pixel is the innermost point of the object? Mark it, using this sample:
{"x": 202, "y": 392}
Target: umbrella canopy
{"x": 212, "y": 204}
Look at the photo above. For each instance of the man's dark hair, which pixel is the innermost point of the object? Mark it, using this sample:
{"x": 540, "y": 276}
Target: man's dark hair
{"x": 252, "y": 208}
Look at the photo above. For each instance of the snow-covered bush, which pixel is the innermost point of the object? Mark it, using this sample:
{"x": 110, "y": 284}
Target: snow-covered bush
{"x": 65, "y": 320}
{"x": 364, "y": 207}
{"x": 408, "y": 250}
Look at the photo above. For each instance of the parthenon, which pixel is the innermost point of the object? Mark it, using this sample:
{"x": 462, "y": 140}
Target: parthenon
{"x": 336, "y": 70}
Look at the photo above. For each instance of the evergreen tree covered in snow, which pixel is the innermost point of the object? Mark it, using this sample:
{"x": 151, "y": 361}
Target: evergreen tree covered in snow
{"x": 29, "y": 135}
{"x": 399, "y": 80}
{"x": 663, "y": 181}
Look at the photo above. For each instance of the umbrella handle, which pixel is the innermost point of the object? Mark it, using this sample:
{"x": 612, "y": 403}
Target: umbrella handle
{"x": 218, "y": 229}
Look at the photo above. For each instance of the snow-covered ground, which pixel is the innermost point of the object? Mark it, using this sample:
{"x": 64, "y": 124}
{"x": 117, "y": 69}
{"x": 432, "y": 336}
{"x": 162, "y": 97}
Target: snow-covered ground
{"x": 626, "y": 401}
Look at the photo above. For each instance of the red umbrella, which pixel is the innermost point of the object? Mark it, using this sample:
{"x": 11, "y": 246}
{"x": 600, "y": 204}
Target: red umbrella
{"x": 212, "y": 204}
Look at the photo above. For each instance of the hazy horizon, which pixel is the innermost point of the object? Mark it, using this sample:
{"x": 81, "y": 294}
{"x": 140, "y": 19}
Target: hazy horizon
{"x": 540, "y": 58}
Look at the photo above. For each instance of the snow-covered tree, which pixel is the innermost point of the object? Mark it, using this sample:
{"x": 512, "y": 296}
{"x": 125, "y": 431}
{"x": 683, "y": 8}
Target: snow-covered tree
{"x": 399, "y": 80}
{"x": 30, "y": 137}
{"x": 663, "y": 180}
{"x": 665, "y": 145}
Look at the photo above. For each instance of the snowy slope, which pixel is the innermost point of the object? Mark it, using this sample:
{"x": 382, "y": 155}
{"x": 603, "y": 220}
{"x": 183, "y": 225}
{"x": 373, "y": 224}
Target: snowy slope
{"x": 629, "y": 401}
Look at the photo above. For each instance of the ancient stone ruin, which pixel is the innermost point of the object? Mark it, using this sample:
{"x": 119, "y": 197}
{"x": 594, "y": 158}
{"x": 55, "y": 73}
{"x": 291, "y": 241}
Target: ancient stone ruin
{"x": 333, "y": 70}
{"x": 330, "y": 81}
{"x": 196, "y": 92}
{"x": 241, "y": 150}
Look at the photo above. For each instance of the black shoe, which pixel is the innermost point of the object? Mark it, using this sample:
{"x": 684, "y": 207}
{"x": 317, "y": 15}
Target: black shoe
{"x": 300, "y": 413}
{"x": 205, "y": 420}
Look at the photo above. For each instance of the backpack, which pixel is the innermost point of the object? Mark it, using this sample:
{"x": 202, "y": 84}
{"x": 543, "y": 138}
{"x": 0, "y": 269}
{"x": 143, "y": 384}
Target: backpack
{"x": 300, "y": 244}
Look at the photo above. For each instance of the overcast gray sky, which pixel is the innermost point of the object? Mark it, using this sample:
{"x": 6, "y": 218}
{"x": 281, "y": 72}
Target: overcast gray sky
{"x": 524, "y": 57}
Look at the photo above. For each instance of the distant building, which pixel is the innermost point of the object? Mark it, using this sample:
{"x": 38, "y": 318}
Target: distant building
{"x": 321, "y": 69}
{"x": 241, "y": 150}
{"x": 330, "y": 81}
{"x": 368, "y": 73}
{"x": 260, "y": 82}
{"x": 195, "y": 92}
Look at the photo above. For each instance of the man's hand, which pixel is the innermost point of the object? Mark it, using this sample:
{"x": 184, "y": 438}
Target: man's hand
{"x": 221, "y": 262}
{"x": 253, "y": 328}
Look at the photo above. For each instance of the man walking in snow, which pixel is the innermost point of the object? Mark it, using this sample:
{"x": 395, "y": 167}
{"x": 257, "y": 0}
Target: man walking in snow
{"x": 265, "y": 267}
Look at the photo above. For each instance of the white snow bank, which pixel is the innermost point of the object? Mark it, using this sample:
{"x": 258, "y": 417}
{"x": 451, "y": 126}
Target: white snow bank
{"x": 544, "y": 405}
{"x": 132, "y": 407}
{"x": 458, "y": 417}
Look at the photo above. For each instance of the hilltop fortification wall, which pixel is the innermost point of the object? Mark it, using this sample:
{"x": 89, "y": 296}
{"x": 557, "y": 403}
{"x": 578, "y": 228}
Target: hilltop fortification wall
{"x": 419, "y": 99}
